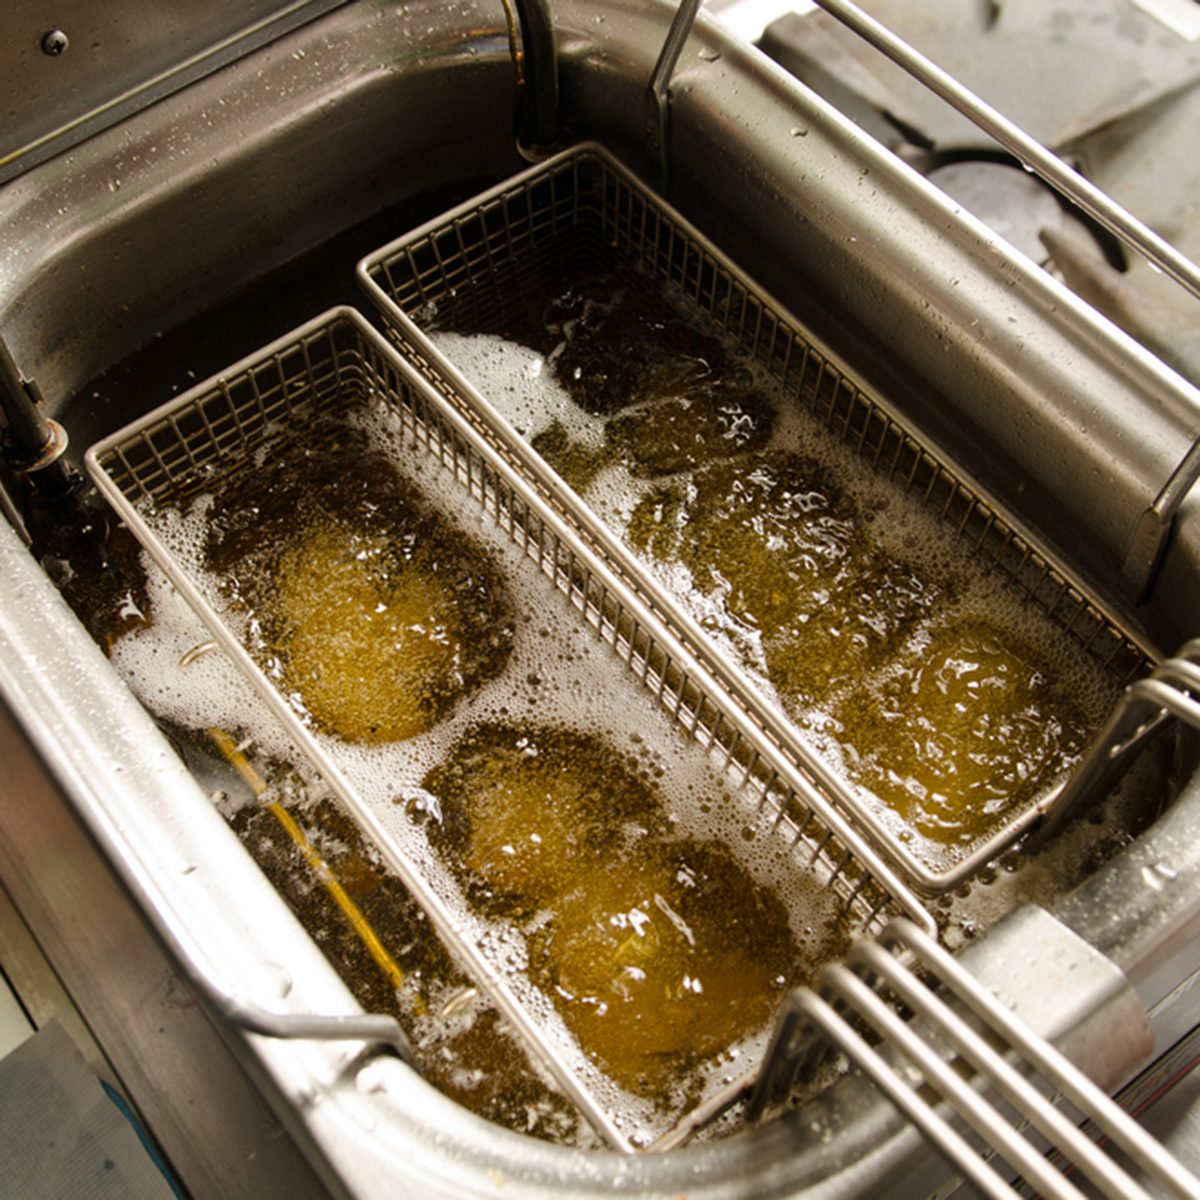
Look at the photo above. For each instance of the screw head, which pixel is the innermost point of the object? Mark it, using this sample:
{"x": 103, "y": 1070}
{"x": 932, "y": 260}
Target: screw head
{"x": 54, "y": 42}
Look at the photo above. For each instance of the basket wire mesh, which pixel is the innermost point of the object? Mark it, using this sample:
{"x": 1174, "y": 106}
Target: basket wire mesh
{"x": 583, "y": 212}
{"x": 184, "y": 447}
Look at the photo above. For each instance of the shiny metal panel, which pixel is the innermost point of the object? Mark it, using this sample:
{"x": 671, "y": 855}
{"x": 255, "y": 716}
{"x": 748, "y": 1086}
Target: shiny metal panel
{"x": 219, "y": 1134}
{"x": 71, "y": 69}
{"x": 155, "y": 220}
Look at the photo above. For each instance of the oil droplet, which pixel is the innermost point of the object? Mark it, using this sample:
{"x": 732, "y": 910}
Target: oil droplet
{"x": 1159, "y": 876}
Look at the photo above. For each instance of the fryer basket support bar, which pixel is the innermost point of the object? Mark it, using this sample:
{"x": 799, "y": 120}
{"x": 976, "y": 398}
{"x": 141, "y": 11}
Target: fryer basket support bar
{"x": 1172, "y": 689}
{"x": 658, "y": 92}
{"x": 1148, "y": 540}
{"x": 932, "y": 1067}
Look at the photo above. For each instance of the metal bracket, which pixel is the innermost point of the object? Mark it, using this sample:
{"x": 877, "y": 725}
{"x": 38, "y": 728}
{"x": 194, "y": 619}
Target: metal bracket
{"x": 1153, "y": 528}
{"x": 1172, "y": 689}
{"x": 537, "y": 73}
{"x": 960, "y": 1036}
{"x": 33, "y": 444}
{"x": 658, "y": 93}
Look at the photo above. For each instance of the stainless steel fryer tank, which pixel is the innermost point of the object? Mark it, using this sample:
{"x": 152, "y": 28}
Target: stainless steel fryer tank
{"x": 163, "y": 216}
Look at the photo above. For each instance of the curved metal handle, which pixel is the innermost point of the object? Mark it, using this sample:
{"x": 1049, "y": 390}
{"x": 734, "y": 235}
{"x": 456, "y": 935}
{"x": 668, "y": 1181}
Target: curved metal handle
{"x": 861, "y": 1010}
{"x": 537, "y": 71}
{"x": 1171, "y": 689}
{"x": 658, "y": 98}
{"x": 368, "y": 1027}
{"x": 1047, "y": 166}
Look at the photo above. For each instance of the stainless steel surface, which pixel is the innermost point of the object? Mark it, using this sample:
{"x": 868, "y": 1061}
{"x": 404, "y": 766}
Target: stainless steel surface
{"x": 1155, "y": 526}
{"x": 1032, "y": 393}
{"x": 658, "y": 90}
{"x": 870, "y": 996}
{"x": 70, "y": 72}
{"x": 1097, "y": 203}
{"x": 268, "y": 399}
{"x": 583, "y": 208}
{"x": 1149, "y": 537}
{"x": 70, "y": 817}
{"x": 1106, "y": 84}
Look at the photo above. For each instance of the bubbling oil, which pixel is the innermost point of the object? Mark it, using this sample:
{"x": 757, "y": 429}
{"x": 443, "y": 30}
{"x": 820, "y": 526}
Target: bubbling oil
{"x": 839, "y": 594}
{"x": 666, "y": 961}
{"x": 527, "y": 807}
{"x": 658, "y": 953}
{"x": 516, "y": 822}
{"x": 375, "y": 621}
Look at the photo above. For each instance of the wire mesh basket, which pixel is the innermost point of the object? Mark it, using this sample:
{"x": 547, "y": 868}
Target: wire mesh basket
{"x": 582, "y": 214}
{"x": 335, "y": 365}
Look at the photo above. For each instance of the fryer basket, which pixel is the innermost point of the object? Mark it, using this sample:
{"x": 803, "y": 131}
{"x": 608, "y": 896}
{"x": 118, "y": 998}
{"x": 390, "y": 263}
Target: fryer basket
{"x": 582, "y": 211}
{"x": 333, "y": 362}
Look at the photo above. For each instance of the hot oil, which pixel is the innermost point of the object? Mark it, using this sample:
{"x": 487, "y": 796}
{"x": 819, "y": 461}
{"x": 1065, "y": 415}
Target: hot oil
{"x": 372, "y": 618}
{"x": 659, "y": 952}
{"x": 644, "y": 837}
{"x": 945, "y": 699}
{"x": 462, "y": 1044}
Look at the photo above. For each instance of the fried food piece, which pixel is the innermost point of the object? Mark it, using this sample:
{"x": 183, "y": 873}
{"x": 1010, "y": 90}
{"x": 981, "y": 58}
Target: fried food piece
{"x": 873, "y": 606}
{"x": 374, "y": 653}
{"x": 526, "y": 809}
{"x": 771, "y": 535}
{"x": 962, "y": 732}
{"x": 374, "y": 614}
{"x": 660, "y": 960}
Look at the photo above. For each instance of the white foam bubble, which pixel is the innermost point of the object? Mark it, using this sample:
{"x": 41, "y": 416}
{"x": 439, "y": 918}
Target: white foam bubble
{"x": 897, "y": 523}
{"x": 559, "y": 673}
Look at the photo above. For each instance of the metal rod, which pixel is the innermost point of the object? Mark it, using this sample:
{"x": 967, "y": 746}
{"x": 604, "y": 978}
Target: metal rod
{"x": 1049, "y": 1121}
{"x": 971, "y": 1106}
{"x": 658, "y": 97}
{"x": 1075, "y": 1086}
{"x": 537, "y": 118}
{"x": 1148, "y": 542}
{"x": 818, "y": 1014}
{"x": 367, "y": 1027}
{"x": 1140, "y": 713}
{"x": 33, "y": 443}
{"x": 1033, "y": 155}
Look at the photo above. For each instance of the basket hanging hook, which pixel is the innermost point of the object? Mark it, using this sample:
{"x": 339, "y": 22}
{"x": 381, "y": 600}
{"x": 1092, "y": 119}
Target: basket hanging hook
{"x": 1148, "y": 542}
{"x": 33, "y": 443}
{"x": 537, "y": 71}
{"x": 658, "y": 97}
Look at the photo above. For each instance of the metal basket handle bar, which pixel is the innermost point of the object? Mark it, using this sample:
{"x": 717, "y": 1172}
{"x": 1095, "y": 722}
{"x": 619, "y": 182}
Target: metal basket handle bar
{"x": 1100, "y": 206}
{"x": 1172, "y": 689}
{"x": 814, "y": 1021}
{"x": 368, "y": 1027}
{"x": 658, "y": 100}
{"x": 1046, "y": 165}
{"x": 1149, "y": 538}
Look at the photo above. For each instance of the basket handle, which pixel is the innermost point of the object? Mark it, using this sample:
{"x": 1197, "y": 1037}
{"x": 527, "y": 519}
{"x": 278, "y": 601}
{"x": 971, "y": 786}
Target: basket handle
{"x": 1047, "y": 166}
{"x": 657, "y": 123}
